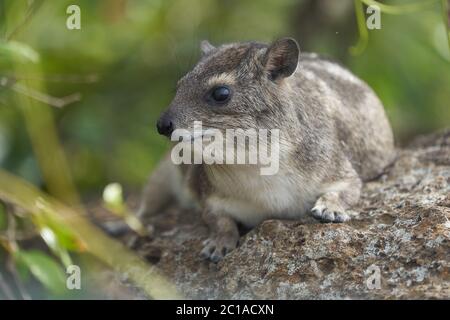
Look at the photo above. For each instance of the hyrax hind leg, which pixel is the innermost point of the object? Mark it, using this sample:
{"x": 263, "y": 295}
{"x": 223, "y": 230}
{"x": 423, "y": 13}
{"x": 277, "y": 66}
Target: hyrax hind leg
{"x": 159, "y": 190}
{"x": 338, "y": 196}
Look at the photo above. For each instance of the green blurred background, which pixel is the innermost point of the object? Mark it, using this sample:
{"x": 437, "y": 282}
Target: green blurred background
{"x": 133, "y": 52}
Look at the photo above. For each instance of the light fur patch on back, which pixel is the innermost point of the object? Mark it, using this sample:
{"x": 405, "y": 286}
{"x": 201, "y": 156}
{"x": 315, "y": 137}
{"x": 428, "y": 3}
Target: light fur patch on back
{"x": 335, "y": 70}
{"x": 309, "y": 75}
{"x": 221, "y": 79}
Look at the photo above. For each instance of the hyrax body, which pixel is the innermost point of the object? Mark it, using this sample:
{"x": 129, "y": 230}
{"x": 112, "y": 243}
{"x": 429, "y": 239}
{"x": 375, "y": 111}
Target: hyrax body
{"x": 334, "y": 134}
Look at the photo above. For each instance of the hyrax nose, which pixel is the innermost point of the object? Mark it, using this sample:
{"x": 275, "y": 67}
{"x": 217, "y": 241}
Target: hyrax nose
{"x": 165, "y": 126}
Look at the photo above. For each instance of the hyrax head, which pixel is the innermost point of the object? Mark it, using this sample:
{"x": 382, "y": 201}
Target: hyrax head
{"x": 233, "y": 86}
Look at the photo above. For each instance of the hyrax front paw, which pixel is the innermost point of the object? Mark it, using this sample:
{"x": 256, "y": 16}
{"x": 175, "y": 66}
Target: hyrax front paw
{"x": 216, "y": 248}
{"x": 328, "y": 208}
{"x": 325, "y": 214}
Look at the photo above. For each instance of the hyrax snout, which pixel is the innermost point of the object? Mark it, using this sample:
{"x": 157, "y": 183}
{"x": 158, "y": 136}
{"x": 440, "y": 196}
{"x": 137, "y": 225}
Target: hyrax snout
{"x": 165, "y": 125}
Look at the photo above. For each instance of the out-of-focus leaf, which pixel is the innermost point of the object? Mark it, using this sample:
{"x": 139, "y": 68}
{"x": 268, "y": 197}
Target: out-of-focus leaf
{"x": 439, "y": 38}
{"x": 3, "y": 219}
{"x": 53, "y": 243}
{"x": 18, "y": 51}
{"x": 44, "y": 269}
{"x": 58, "y": 232}
{"x": 22, "y": 270}
{"x": 113, "y": 200}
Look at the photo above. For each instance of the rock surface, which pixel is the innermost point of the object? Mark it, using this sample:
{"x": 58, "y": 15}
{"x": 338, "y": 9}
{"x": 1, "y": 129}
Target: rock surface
{"x": 402, "y": 234}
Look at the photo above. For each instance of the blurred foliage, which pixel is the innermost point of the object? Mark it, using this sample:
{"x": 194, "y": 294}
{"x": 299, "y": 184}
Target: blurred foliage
{"x": 128, "y": 55}
{"x": 113, "y": 201}
{"x": 65, "y": 228}
{"x": 110, "y": 80}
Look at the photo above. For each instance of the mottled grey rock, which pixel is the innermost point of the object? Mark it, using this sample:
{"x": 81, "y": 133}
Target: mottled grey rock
{"x": 403, "y": 232}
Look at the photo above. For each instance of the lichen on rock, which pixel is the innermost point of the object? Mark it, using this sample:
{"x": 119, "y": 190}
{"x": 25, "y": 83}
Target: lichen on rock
{"x": 402, "y": 234}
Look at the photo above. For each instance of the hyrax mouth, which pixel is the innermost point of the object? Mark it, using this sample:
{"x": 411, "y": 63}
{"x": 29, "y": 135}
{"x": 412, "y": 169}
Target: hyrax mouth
{"x": 190, "y": 137}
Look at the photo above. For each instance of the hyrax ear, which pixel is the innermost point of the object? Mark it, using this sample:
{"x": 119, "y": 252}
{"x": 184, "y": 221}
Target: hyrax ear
{"x": 281, "y": 58}
{"x": 206, "y": 47}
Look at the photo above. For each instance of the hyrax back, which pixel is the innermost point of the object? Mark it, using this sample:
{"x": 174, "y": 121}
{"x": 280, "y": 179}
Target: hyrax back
{"x": 360, "y": 124}
{"x": 333, "y": 134}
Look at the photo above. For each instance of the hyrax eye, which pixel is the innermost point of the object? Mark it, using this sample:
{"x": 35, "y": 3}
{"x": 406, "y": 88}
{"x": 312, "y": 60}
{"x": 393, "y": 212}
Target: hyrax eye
{"x": 220, "y": 94}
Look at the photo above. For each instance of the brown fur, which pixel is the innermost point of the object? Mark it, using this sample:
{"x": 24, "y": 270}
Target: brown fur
{"x": 333, "y": 130}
